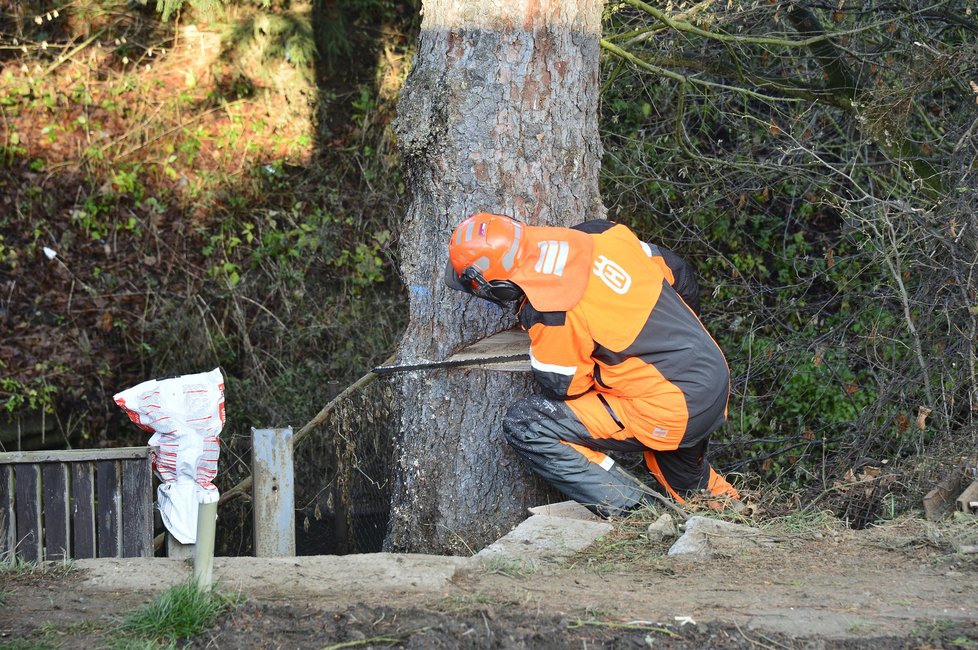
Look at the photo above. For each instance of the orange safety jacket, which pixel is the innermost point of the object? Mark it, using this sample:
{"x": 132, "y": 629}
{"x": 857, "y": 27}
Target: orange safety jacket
{"x": 622, "y": 332}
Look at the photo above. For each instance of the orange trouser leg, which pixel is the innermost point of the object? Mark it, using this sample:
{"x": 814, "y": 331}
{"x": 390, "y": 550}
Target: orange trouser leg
{"x": 592, "y": 455}
{"x": 719, "y": 486}
{"x": 653, "y": 466}
{"x": 715, "y": 485}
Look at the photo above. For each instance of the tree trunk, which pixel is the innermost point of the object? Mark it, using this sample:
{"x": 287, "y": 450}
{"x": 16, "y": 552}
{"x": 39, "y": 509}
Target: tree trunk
{"x": 499, "y": 114}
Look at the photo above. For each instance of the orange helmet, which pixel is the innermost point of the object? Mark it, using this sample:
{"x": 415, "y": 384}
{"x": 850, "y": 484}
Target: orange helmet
{"x": 483, "y": 254}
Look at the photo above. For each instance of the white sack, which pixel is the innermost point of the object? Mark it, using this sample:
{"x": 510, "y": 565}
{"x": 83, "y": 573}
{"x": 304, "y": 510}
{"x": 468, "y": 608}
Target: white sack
{"x": 185, "y": 415}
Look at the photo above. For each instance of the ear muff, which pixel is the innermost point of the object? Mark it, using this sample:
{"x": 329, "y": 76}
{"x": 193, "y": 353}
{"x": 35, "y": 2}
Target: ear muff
{"x": 497, "y": 291}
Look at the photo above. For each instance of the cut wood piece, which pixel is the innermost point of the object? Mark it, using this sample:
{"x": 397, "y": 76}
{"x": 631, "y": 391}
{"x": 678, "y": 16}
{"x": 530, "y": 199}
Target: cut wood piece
{"x": 57, "y": 523}
{"x": 108, "y": 508}
{"x": 83, "y": 510}
{"x": 968, "y": 501}
{"x": 507, "y": 343}
{"x": 175, "y": 549}
{"x": 939, "y": 499}
{"x": 137, "y": 508}
{"x": 27, "y": 479}
{"x": 8, "y": 522}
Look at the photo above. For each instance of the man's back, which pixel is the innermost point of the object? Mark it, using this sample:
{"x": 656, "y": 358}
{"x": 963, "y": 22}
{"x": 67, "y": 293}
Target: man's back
{"x": 636, "y": 337}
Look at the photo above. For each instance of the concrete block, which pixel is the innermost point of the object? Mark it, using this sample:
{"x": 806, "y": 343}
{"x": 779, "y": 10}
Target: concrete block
{"x": 704, "y": 537}
{"x": 568, "y": 509}
{"x": 542, "y": 537}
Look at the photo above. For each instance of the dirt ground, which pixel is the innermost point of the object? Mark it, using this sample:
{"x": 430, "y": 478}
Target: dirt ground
{"x": 899, "y": 586}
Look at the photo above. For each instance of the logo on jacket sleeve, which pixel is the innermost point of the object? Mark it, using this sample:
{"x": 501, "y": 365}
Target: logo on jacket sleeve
{"x": 612, "y": 274}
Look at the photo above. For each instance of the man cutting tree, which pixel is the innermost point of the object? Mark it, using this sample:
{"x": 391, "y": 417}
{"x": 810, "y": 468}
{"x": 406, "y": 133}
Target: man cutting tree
{"x": 623, "y": 361}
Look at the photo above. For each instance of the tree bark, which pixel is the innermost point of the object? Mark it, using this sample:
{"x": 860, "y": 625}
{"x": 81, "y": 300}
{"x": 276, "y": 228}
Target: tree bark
{"x": 499, "y": 114}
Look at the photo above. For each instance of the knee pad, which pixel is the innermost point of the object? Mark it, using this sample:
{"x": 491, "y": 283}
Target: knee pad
{"x": 522, "y": 418}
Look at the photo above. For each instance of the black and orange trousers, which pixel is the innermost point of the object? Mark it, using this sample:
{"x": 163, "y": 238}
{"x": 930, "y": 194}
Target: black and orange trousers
{"x": 551, "y": 438}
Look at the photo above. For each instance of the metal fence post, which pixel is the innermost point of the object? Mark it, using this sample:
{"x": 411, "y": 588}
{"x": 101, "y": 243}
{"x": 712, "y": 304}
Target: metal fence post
{"x": 204, "y": 548}
{"x": 273, "y": 492}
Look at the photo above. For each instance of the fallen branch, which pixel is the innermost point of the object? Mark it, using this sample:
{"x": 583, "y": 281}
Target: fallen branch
{"x": 243, "y": 487}
{"x": 631, "y": 625}
{"x": 669, "y": 504}
{"x": 62, "y": 58}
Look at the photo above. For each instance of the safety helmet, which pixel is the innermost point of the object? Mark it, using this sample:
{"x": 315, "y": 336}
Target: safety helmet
{"x": 483, "y": 254}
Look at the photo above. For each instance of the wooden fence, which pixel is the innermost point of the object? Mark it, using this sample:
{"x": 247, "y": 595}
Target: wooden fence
{"x": 76, "y": 504}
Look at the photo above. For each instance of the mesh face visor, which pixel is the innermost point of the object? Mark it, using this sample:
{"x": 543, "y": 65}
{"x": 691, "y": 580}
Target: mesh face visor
{"x": 453, "y": 281}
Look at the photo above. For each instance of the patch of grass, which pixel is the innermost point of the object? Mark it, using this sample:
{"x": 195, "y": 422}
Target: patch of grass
{"x": 626, "y": 544}
{"x": 143, "y": 644}
{"x": 477, "y": 602}
{"x": 181, "y": 612}
{"x": 478, "y": 599}
{"x": 638, "y": 625}
{"x": 19, "y": 568}
{"x": 934, "y": 629}
{"x": 509, "y": 566}
{"x": 28, "y": 644}
{"x": 54, "y": 634}
{"x": 859, "y": 627}
{"x": 804, "y": 522}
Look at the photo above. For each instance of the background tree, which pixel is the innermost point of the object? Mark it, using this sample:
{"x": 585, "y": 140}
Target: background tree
{"x": 218, "y": 190}
{"x": 819, "y": 162}
{"x": 499, "y": 113}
